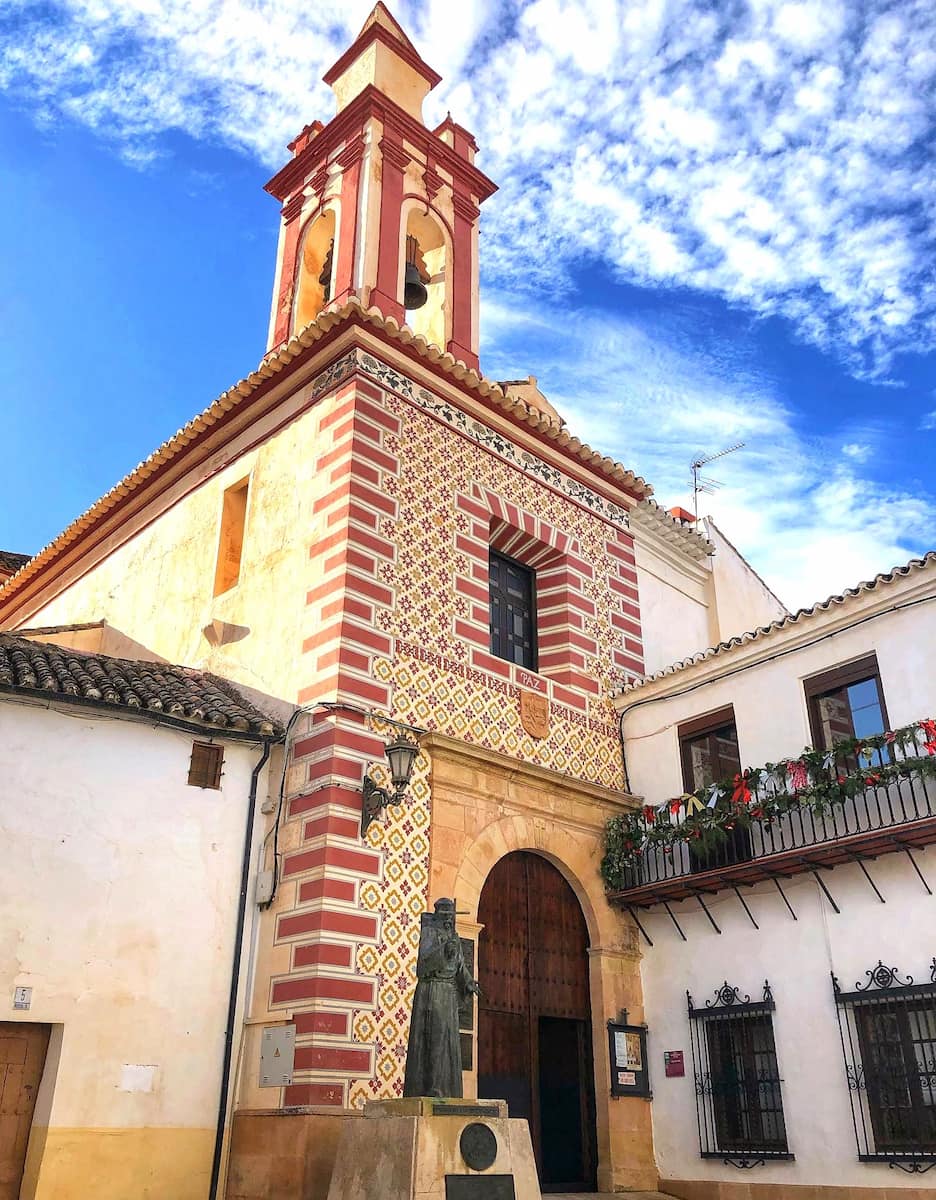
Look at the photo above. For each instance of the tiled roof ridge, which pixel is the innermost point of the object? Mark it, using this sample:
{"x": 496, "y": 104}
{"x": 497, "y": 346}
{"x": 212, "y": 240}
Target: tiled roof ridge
{"x": 671, "y": 529}
{"x": 184, "y": 694}
{"x": 822, "y": 606}
{"x": 272, "y": 364}
{"x": 12, "y": 560}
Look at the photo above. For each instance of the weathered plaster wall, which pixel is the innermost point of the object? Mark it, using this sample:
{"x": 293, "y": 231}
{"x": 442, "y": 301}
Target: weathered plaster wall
{"x": 676, "y": 610}
{"x": 157, "y": 587}
{"x": 118, "y": 899}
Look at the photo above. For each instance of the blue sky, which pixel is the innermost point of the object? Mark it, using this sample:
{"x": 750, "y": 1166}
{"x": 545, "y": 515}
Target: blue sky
{"x": 715, "y": 224}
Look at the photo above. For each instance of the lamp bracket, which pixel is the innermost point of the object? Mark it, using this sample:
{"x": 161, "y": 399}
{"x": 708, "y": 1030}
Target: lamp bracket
{"x": 376, "y": 799}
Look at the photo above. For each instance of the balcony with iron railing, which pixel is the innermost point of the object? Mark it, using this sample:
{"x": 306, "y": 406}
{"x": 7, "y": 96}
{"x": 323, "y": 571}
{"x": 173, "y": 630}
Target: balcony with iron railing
{"x": 895, "y": 815}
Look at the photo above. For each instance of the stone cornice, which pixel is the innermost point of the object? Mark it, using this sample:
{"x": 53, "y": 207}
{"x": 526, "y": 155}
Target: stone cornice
{"x": 442, "y": 748}
{"x": 374, "y": 104}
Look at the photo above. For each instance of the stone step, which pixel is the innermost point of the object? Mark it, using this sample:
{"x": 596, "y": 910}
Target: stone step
{"x": 606, "y": 1196}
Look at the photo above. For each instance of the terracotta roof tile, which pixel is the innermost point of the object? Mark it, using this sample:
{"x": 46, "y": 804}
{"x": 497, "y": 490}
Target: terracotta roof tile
{"x": 193, "y": 697}
{"x": 802, "y": 614}
{"x": 10, "y": 561}
{"x": 276, "y": 361}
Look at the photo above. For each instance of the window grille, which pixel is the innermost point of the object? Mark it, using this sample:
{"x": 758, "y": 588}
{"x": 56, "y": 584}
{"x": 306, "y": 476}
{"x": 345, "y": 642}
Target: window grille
{"x": 513, "y": 611}
{"x": 739, "y": 1108}
{"x": 888, "y": 1029}
{"x": 205, "y": 765}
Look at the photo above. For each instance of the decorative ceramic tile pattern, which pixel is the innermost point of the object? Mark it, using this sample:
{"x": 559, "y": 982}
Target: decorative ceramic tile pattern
{"x": 443, "y": 455}
{"x": 496, "y": 443}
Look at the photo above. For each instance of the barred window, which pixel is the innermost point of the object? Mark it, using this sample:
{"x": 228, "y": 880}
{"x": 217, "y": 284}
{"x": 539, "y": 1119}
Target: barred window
{"x": 738, "y": 1098}
{"x": 888, "y": 1028}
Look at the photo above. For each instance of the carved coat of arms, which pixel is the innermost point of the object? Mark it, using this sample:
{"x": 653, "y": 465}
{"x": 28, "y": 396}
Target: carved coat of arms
{"x": 534, "y": 714}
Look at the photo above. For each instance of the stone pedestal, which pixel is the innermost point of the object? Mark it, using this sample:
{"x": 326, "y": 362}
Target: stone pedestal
{"x": 425, "y": 1149}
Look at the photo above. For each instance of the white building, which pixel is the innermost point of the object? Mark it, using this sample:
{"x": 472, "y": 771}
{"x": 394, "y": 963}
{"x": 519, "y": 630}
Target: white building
{"x": 770, "y": 1075}
{"x": 129, "y": 823}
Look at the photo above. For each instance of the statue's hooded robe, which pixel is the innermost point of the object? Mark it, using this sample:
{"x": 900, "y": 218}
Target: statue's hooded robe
{"x": 433, "y": 1055}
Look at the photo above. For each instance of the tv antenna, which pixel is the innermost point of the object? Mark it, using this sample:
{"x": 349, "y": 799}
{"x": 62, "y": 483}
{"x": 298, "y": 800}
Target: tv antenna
{"x": 702, "y": 483}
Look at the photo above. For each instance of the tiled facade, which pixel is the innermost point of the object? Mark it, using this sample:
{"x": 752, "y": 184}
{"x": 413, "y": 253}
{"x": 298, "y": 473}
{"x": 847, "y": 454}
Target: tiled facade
{"x": 411, "y": 496}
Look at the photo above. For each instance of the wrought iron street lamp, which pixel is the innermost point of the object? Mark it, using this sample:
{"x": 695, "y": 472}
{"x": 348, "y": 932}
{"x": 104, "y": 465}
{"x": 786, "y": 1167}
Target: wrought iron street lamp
{"x": 401, "y": 754}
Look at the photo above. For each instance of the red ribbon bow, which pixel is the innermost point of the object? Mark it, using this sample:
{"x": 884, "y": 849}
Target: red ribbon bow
{"x": 742, "y": 793}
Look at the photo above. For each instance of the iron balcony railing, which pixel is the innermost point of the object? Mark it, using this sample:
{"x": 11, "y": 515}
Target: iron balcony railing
{"x": 896, "y": 806}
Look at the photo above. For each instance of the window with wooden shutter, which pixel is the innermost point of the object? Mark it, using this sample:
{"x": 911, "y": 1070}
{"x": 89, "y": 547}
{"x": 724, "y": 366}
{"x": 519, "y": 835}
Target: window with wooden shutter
{"x": 205, "y": 765}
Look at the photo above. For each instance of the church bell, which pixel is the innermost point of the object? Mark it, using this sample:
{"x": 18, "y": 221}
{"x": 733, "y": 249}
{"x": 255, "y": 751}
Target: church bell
{"x": 414, "y": 290}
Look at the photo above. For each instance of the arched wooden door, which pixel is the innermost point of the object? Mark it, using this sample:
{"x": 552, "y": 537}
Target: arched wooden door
{"x": 534, "y": 1015}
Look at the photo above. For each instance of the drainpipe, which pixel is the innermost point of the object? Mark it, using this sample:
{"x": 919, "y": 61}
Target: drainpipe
{"x": 235, "y": 977}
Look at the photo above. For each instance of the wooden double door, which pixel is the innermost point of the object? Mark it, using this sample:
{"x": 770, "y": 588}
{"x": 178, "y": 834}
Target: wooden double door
{"x": 534, "y": 1015}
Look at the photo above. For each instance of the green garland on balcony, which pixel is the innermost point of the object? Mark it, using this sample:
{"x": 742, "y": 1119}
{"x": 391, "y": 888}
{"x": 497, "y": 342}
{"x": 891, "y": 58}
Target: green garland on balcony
{"x": 816, "y": 780}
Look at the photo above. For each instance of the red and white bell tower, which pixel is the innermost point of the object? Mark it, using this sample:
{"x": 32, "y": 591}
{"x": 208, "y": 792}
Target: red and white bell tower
{"x": 375, "y": 199}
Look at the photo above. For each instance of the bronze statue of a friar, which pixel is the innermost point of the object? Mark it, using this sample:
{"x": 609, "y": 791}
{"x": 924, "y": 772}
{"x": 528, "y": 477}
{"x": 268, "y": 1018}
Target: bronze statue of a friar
{"x": 433, "y": 1055}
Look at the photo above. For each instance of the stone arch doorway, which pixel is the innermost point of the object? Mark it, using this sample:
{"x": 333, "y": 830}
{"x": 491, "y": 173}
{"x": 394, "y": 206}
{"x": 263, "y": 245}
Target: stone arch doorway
{"x": 534, "y": 1015}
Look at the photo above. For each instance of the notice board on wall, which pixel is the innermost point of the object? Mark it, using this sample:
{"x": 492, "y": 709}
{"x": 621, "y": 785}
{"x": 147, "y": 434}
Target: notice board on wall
{"x": 627, "y": 1048}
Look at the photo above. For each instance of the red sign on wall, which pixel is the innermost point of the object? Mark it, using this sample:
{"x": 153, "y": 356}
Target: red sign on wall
{"x": 673, "y": 1064}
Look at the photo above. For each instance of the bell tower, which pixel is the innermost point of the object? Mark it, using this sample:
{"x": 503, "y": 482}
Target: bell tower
{"x": 378, "y": 206}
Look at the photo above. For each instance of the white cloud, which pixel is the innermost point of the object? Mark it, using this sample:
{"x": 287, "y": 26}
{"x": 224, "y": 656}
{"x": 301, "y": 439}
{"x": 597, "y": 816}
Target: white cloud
{"x": 772, "y": 152}
{"x": 649, "y": 395}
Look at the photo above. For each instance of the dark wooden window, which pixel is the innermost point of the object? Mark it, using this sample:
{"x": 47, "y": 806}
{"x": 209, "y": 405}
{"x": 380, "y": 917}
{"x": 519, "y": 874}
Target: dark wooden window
{"x": 898, "y": 1056}
{"x": 708, "y": 748}
{"x": 745, "y": 1084}
{"x": 513, "y": 611}
{"x": 888, "y": 1036}
{"x": 738, "y": 1094}
{"x": 205, "y": 766}
{"x": 846, "y": 702}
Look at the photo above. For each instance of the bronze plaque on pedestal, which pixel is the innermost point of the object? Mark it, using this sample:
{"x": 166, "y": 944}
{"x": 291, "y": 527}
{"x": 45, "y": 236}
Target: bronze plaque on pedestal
{"x": 479, "y": 1187}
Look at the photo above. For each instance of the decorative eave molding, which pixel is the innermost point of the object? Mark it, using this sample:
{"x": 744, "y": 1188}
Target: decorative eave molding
{"x": 358, "y": 361}
{"x": 835, "y": 614}
{"x": 274, "y": 371}
{"x": 372, "y": 103}
{"x": 650, "y": 517}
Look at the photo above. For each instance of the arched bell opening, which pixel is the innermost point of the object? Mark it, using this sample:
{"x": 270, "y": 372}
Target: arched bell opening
{"x": 425, "y": 274}
{"x": 315, "y": 284}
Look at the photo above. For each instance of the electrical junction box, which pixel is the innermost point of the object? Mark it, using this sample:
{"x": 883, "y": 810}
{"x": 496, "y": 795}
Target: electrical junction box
{"x": 277, "y": 1055}
{"x": 264, "y": 887}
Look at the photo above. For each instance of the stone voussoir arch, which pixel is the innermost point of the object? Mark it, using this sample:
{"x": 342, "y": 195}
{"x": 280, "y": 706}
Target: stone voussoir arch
{"x": 575, "y": 854}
